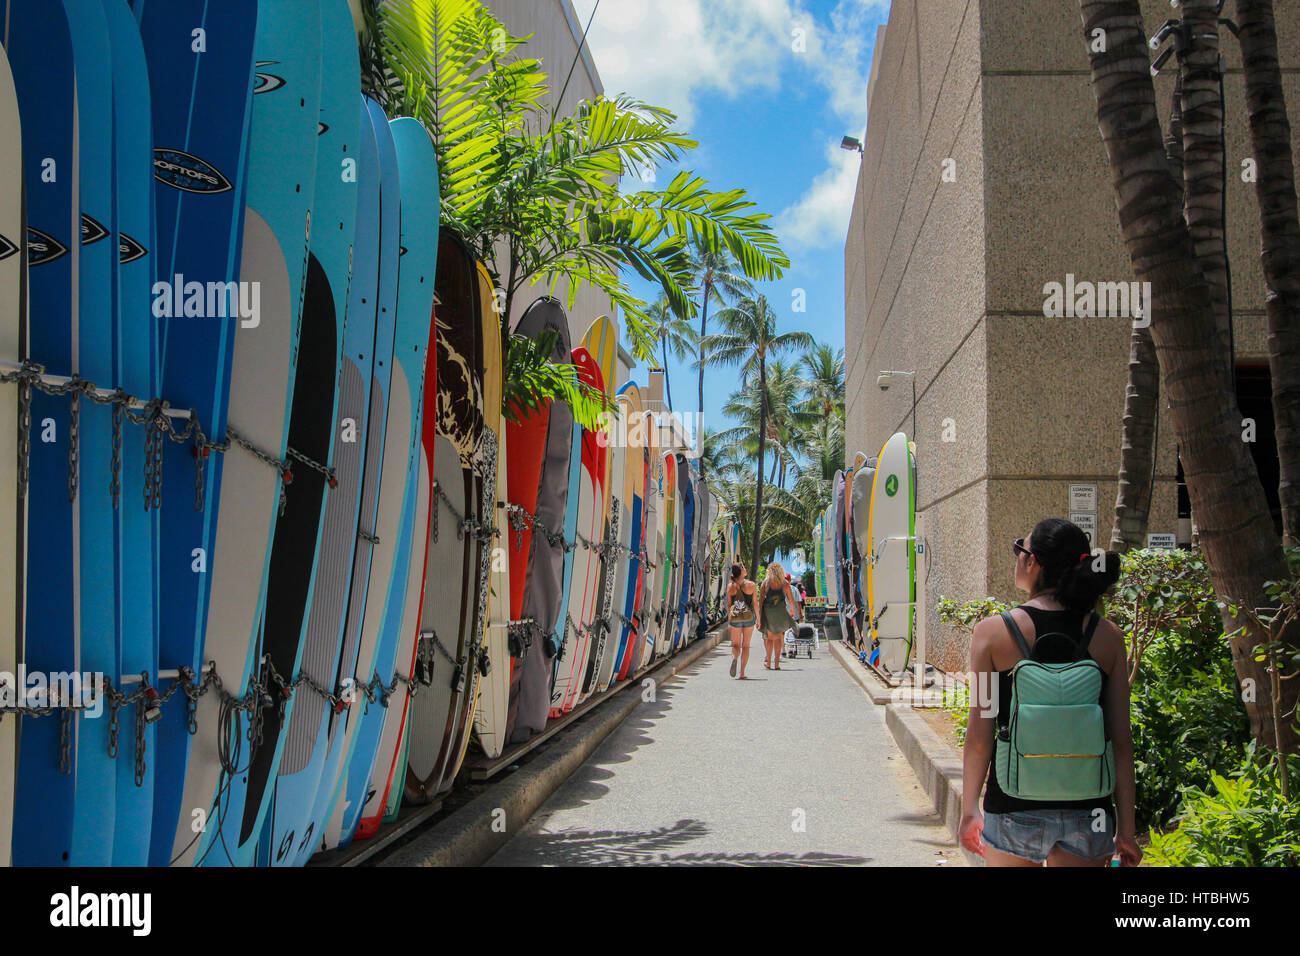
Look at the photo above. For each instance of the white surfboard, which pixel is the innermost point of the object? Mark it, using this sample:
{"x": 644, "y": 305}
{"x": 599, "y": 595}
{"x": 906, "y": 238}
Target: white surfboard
{"x": 892, "y": 579}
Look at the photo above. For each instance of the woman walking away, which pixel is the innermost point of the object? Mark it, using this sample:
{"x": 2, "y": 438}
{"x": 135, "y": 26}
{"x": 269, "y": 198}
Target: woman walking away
{"x": 1049, "y": 719}
{"x": 775, "y": 601}
{"x": 742, "y": 615}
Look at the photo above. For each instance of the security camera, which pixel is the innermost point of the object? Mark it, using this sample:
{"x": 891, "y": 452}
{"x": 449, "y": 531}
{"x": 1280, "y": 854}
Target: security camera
{"x": 884, "y": 380}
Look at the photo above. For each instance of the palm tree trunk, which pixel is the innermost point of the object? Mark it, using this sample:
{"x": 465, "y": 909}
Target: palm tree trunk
{"x": 668, "y": 385}
{"x": 704, "y": 330}
{"x": 762, "y": 443}
{"x": 1142, "y": 394}
{"x": 1202, "y": 122}
{"x": 1236, "y": 532}
{"x": 1275, "y": 189}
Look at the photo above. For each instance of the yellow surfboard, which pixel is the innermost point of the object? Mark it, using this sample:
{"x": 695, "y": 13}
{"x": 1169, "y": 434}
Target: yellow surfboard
{"x": 491, "y": 706}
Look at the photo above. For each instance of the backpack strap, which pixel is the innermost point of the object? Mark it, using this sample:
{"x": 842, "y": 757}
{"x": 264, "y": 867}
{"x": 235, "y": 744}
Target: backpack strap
{"x": 1014, "y": 628}
{"x": 1087, "y": 634}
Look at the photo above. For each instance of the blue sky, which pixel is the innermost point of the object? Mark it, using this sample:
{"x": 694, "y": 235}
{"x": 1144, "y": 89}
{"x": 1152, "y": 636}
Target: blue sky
{"x": 768, "y": 118}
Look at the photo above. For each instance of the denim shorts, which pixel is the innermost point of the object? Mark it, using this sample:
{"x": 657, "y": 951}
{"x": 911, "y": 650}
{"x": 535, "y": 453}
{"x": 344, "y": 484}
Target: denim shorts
{"x": 1033, "y": 834}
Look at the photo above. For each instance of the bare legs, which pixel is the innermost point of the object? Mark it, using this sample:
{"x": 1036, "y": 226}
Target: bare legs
{"x": 740, "y": 647}
{"x": 774, "y": 643}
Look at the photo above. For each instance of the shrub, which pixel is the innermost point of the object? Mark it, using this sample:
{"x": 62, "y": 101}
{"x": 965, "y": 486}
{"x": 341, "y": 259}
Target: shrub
{"x": 1245, "y": 821}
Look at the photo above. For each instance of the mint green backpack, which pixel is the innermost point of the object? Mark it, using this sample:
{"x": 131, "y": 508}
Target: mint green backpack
{"x": 1054, "y": 746}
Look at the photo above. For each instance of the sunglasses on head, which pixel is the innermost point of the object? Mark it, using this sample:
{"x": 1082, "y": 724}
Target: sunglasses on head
{"x": 1018, "y": 548}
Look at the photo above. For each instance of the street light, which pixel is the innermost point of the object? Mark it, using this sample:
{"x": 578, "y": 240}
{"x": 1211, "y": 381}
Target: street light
{"x": 851, "y": 143}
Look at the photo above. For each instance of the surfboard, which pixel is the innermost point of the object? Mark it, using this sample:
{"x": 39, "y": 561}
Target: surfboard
{"x": 892, "y": 578}
{"x": 334, "y": 212}
{"x": 544, "y": 595}
{"x": 630, "y": 568}
{"x": 282, "y": 173}
{"x": 685, "y": 531}
{"x": 828, "y": 554}
{"x": 494, "y": 686}
{"x": 577, "y": 642}
{"x": 486, "y": 465}
{"x": 135, "y": 346}
{"x": 200, "y": 90}
{"x": 841, "y": 562}
{"x": 379, "y": 528}
{"x": 669, "y": 591}
{"x": 854, "y": 482}
{"x": 12, "y": 533}
{"x": 416, "y": 369}
{"x": 314, "y": 783}
{"x": 863, "y": 474}
{"x": 453, "y": 426}
{"x": 652, "y": 546}
{"x": 40, "y": 47}
{"x": 703, "y": 520}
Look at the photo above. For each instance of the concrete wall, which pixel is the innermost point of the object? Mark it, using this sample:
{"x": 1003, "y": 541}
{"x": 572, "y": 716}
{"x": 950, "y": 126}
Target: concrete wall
{"x": 555, "y": 36}
{"x": 946, "y": 278}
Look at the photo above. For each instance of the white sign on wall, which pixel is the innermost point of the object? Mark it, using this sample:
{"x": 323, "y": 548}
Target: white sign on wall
{"x": 1087, "y": 522}
{"x": 1083, "y": 498}
{"x": 1167, "y": 542}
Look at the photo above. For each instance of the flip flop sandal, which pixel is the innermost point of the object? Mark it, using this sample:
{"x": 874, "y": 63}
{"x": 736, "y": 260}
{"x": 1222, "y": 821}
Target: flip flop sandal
{"x": 734, "y": 662}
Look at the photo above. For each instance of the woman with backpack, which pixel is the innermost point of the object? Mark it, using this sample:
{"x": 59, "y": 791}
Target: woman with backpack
{"x": 742, "y": 615}
{"x": 1049, "y": 733}
{"x": 775, "y": 602}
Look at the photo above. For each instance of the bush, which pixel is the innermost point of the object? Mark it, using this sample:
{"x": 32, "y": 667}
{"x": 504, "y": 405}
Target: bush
{"x": 1245, "y": 821}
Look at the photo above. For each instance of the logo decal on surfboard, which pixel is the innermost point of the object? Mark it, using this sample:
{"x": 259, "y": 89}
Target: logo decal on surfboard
{"x": 128, "y": 250}
{"x": 891, "y": 485}
{"x": 266, "y": 82}
{"x": 7, "y": 247}
{"x": 188, "y": 173}
{"x": 42, "y": 248}
{"x": 91, "y": 231}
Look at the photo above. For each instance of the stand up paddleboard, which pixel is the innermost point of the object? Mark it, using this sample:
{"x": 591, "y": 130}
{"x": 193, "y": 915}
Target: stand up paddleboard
{"x": 892, "y": 578}
{"x": 282, "y": 177}
{"x": 359, "y": 430}
{"x": 449, "y": 605}
{"x": 630, "y": 567}
{"x": 577, "y": 642}
{"x": 860, "y": 524}
{"x": 135, "y": 344}
{"x": 415, "y": 371}
{"x": 12, "y": 280}
{"x": 855, "y": 481}
{"x": 201, "y": 89}
{"x": 494, "y": 666}
{"x": 544, "y": 595}
{"x": 685, "y": 532}
{"x": 388, "y": 463}
{"x": 668, "y": 593}
{"x": 651, "y": 551}
{"x": 318, "y": 530}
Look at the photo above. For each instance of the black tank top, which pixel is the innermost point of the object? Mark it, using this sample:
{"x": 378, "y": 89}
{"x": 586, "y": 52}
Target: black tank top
{"x": 995, "y": 800}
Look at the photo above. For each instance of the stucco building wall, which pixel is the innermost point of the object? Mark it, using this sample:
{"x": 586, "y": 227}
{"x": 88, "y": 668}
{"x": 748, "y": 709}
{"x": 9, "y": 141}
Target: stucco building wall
{"x": 946, "y": 278}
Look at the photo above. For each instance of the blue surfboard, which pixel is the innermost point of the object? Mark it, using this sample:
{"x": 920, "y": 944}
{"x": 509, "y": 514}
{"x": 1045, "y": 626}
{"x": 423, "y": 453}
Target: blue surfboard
{"x": 372, "y": 562}
{"x": 39, "y": 47}
{"x": 412, "y": 152}
{"x": 200, "y": 62}
{"x": 282, "y": 175}
{"x": 358, "y": 390}
{"x": 135, "y": 354}
{"x": 318, "y": 560}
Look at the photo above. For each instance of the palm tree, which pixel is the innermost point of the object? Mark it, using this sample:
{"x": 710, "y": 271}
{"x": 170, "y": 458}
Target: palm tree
{"x": 716, "y": 274}
{"x": 749, "y": 340}
{"x": 675, "y": 337}
{"x": 823, "y": 371}
{"x": 1236, "y": 531}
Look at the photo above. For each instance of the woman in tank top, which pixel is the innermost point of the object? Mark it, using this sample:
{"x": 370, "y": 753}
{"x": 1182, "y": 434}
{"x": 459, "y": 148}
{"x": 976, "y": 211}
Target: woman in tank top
{"x": 1065, "y": 580}
{"x": 742, "y": 615}
{"x": 775, "y": 602}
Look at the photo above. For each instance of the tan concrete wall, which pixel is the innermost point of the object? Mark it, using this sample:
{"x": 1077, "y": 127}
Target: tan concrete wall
{"x": 555, "y": 33}
{"x": 947, "y": 278}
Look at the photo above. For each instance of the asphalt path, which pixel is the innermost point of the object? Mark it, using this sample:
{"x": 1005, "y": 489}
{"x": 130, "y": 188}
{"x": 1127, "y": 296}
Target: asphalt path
{"x": 789, "y": 767}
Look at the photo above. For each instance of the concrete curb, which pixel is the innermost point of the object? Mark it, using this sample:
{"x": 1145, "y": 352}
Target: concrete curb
{"x": 936, "y": 765}
{"x": 467, "y": 838}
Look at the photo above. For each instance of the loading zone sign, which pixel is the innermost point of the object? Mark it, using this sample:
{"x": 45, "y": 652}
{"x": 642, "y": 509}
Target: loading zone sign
{"x": 1083, "y": 498}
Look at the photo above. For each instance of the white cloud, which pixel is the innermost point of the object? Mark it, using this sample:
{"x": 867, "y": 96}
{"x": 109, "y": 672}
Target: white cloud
{"x": 820, "y": 217}
{"x": 669, "y": 51}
